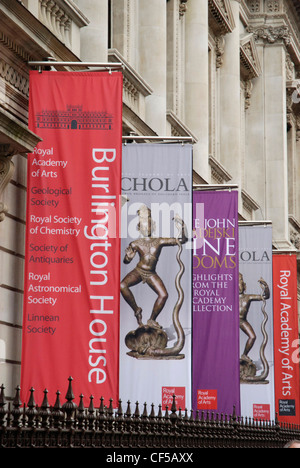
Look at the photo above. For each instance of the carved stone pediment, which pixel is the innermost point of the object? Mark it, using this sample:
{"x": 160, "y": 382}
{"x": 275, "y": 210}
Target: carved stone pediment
{"x": 250, "y": 64}
{"x": 220, "y": 17}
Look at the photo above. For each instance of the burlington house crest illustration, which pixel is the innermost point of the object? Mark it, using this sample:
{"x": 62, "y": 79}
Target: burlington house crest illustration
{"x": 74, "y": 118}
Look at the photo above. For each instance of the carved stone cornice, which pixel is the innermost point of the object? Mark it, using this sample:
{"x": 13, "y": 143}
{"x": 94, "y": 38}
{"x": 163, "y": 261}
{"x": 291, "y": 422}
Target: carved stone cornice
{"x": 221, "y": 19}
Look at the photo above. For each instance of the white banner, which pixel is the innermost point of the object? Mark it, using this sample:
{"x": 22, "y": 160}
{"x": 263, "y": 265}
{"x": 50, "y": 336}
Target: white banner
{"x": 155, "y": 331}
{"x": 256, "y": 322}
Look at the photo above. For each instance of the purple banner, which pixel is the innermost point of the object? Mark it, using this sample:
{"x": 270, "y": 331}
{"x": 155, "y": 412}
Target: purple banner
{"x": 216, "y": 367}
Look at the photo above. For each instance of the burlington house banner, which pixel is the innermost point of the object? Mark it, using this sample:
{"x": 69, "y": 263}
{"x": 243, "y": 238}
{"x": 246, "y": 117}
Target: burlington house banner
{"x": 155, "y": 312}
{"x": 72, "y": 273}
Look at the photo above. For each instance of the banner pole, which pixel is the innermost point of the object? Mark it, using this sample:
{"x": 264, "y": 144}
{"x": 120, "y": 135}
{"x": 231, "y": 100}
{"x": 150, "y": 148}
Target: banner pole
{"x": 100, "y": 65}
{"x": 255, "y": 223}
{"x": 172, "y": 139}
{"x": 285, "y": 252}
{"x": 204, "y": 187}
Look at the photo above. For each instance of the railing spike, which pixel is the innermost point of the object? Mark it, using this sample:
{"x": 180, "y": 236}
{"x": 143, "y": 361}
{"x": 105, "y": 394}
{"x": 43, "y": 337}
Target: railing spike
{"x": 2, "y": 405}
{"x": 137, "y": 411}
{"x": 145, "y": 412}
{"x": 152, "y": 414}
{"x": 120, "y": 409}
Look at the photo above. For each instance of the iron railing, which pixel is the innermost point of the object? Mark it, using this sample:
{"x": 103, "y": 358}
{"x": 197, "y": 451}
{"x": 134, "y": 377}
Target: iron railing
{"x": 70, "y": 426}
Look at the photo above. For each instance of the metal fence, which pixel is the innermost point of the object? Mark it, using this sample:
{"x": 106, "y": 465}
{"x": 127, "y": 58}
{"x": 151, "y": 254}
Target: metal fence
{"x": 70, "y": 426}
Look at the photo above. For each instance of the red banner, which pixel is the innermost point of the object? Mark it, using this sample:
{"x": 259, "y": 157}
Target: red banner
{"x": 286, "y": 339}
{"x": 72, "y": 273}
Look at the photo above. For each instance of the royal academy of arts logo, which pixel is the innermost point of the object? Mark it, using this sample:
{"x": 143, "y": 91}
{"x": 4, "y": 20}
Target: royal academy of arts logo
{"x": 74, "y": 118}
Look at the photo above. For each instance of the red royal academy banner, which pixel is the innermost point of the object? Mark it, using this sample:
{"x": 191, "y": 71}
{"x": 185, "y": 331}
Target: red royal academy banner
{"x": 286, "y": 339}
{"x": 72, "y": 274}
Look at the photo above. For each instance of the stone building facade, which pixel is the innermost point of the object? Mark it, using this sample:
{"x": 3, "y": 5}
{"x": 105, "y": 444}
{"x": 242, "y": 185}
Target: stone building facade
{"x": 224, "y": 72}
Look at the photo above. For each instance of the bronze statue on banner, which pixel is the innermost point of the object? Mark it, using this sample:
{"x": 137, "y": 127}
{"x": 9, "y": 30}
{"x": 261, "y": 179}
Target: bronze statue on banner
{"x": 149, "y": 341}
{"x": 248, "y": 369}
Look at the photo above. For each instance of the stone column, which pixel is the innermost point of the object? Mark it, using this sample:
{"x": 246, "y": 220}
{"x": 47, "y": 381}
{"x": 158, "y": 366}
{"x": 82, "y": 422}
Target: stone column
{"x": 255, "y": 161}
{"x": 292, "y": 165}
{"x": 298, "y": 171}
{"x": 276, "y": 142}
{"x": 230, "y": 101}
{"x": 266, "y": 154}
{"x": 153, "y": 60}
{"x": 94, "y": 37}
{"x": 196, "y": 82}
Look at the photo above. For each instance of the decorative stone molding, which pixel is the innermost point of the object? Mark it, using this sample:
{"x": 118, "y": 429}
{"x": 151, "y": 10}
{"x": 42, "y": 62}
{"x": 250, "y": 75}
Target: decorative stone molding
{"x": 14, "y": 78}
{"x": 265, "y": 6}
{"x": 254, "y": 6}
{"x": 294, "y": 232}
{"x": 135, "y": 89}
{"x": 290, "y": 68}
{"x": 17, "y": 50}
{"x": 250, "y": 64}
{"x": 220, "y": 49}
{"x": 182, "y": 7}
{"x": 6, "y": 173}
{"x": 298, "y": 128}
{"x": 292, "y": 103}
{"x": 248, "y": 93}
{"x": 249, "y": 203}
{"x": 274, "y": 22}
{"x": 15, "y": 138}
{"x": 271, "y": 34}
{"x": 221, "y": 18}
{"x": 219, "y": 174}
{"x": 178, "y": 128}
{"x": 274, "y": 6}
{"x": 58, "y": 16}
{"x": 28, "y": 35}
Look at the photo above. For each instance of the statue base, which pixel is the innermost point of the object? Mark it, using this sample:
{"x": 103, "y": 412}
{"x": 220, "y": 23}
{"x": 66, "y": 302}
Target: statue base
{"x": 248, "y": 372}
{"x": 149, "y": 343}
{"x": 136, "y": 355}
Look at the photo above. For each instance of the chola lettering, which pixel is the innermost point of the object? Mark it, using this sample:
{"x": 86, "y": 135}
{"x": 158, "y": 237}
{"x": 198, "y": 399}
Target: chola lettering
{"x": 155, "y": 184}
